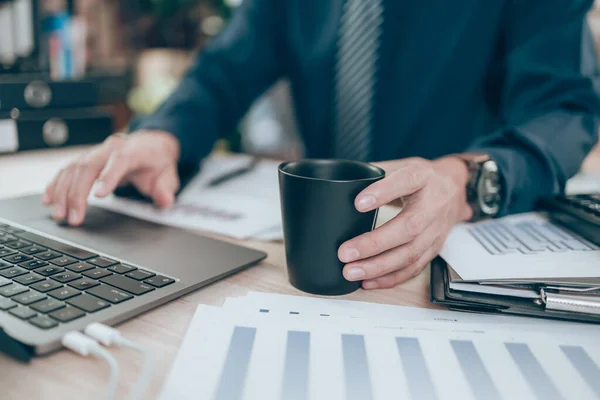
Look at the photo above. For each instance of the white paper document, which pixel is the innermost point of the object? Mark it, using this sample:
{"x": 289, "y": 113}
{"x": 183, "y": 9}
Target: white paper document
{"x": 257, "y": 302}
{"x": 242, "y": 208}
{"x": 517, "y": 247}
{"x": 231, "y": 355}
{"x": 583, "y": 183}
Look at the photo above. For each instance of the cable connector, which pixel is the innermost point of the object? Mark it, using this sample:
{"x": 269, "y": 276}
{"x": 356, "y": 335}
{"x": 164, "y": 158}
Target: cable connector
{"x": 86, "y": 346}
{"x": 104, "y": 334}
{"x": 109, "y": 336}
{"x": 80, "y": 343}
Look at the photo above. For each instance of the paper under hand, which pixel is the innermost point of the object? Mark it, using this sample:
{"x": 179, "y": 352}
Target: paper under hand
{"x": 241, "y": 208}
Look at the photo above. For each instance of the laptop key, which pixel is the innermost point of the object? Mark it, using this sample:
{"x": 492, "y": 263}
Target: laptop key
{"x": 13, "y": 272}
{"x": 34, "y": 249}
{"x": 46, "y": 286}
{"x": 33, "y": 264}
{"x": 109, "y": 294}
{"x": 97, "y": 273}
{"x": 22, "y": 312}
{"x": 84, "y": 283}
{"x": 29, "y": 279}
{"x": 48, "y": 255}
{"x": 80, "y": 267}
{"x": 67, "y": 314}
{"x": 88, "y": 303}
{"x": 102, "y": 262}
{"x": 67, "y": 249}
{"x": 28, "y": 297}
{"x": 18, "y": 244}
{"x": 140, "y": 274}
{"x": 6, "y": 251}
{"x": 122, "y": 268}
{"x": 127, "y": 284}
{"x": 6, "y": 237}
{"x": 4, "y": 264}
{"x": 5, "y": 281}
{"x": 65, "y": 277}
{"x": 6, "y": 304}
{"x": 47, "y": 306}
{"x": 64, "y": 293}
{"x": 48, "y": 271}
{"x": 43, "y": 322}
{"x": 159, "y": 281}
{"x": 12, "y": 230}
{"x": 17, "y": 258}
{"x": 12, "y": 290}
{"x": 62, "y": 261}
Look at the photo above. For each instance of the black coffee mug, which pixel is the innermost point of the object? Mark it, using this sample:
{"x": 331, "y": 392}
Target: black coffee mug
{"x": 317, "y": 206}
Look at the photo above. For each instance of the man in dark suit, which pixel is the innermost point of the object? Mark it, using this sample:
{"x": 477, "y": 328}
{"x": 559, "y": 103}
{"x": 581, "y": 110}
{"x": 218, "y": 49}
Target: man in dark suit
{"x": 476, "y": 109}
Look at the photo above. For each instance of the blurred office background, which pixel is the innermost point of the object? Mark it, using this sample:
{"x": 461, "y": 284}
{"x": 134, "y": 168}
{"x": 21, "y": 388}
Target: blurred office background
{"x": 135, "y": 51}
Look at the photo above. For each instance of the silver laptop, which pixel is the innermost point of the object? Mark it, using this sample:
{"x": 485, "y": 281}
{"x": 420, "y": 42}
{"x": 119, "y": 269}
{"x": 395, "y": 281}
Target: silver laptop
{"x": 55, "y": 279}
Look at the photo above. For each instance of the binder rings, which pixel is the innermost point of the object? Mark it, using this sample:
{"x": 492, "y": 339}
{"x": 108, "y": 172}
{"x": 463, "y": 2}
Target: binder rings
{"x": 31, "y": 130}
{"x": 25, "y": 91}
{"x": 558, "y": 299}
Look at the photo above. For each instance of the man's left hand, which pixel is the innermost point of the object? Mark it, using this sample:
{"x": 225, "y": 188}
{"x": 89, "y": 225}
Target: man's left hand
{"x": 433, "y": 194}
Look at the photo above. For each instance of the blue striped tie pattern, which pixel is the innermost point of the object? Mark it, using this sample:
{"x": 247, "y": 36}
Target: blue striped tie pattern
{"x": 355, "y": 72}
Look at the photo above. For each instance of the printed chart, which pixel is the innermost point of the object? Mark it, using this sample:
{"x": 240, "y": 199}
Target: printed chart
{"x": 232, "y": 355}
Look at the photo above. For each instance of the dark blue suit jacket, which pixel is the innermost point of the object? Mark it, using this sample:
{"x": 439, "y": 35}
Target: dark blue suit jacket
{"x": 512, "y": 78}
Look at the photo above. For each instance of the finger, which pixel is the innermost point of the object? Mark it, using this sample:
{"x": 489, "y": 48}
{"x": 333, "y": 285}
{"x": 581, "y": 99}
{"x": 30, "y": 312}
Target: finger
{"x": 59, "y": 195}
{"x": 142, "y": 180}
{"x": 48, "y": 197}
{"x": 403, "y": 228}
{"x": 397, "y": 277}
{"x": 406, "y": 180}
{"x": 119, "y": 164}
{"x": 86, "y": 172}
{"x": 394, "y": 259}
{"x": 165, "y": 187}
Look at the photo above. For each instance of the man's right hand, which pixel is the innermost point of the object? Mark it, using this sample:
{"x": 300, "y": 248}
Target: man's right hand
{"x": 146, "y": 159}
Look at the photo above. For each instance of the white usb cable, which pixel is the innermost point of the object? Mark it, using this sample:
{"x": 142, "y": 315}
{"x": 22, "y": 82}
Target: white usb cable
{"x": 109, "y": 336}
{"x": 85, "y": 346}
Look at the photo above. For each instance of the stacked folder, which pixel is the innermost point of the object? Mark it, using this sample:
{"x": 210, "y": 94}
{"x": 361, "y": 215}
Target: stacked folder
{"x": 37, "y": 110}
{"x": 522, "y": 265}
{"x": 36, "y": 113}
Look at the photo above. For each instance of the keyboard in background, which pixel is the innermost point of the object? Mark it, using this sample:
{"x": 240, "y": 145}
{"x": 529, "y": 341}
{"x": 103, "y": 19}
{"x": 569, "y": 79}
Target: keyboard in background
{"x": 48, "y": 283}
{"x": 579, "y": 213}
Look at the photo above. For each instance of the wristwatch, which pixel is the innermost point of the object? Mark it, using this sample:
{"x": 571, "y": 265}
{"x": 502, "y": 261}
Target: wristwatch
{"x": 485, "y": 186}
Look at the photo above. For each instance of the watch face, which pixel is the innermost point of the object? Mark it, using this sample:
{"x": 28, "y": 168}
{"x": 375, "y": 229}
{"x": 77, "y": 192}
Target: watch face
{"x": 488, "y": 189}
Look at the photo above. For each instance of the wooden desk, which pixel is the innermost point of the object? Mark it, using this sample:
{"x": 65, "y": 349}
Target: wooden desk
{"x": 64, "y": 375}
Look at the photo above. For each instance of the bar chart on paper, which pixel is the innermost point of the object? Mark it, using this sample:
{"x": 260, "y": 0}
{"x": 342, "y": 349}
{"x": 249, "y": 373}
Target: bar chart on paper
{"x": 228, "y": 356}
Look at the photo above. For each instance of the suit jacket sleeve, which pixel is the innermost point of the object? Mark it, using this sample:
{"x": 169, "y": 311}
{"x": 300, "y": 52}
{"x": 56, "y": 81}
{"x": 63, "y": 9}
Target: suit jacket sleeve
{"x": 227, "y": 76}
{"x": 549, "y": 101}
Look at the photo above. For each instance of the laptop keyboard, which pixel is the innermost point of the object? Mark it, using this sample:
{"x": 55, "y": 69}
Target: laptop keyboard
{"x": 49, "y": 283}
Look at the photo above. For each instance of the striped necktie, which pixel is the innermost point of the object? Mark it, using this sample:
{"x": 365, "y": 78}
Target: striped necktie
{"x": 355, "y": 73}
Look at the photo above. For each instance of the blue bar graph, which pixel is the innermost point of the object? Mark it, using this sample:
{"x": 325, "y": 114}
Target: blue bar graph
{"x": 538, "y": 380}
{"x": 475, "y": 372}
{"x": 296, "y": 366}
{"x": 585, "y": 366}
{"x": 233, "y": 376}
{"x": 356, "y": 368}
{"x": 420, "y": 385}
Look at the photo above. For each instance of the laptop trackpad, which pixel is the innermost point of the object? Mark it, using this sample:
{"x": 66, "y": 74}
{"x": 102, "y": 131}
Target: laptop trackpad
{"x": 104, "y": 231}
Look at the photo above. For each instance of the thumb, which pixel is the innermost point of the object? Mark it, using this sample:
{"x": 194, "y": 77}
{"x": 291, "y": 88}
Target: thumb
{"x": 165, "y": 187}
